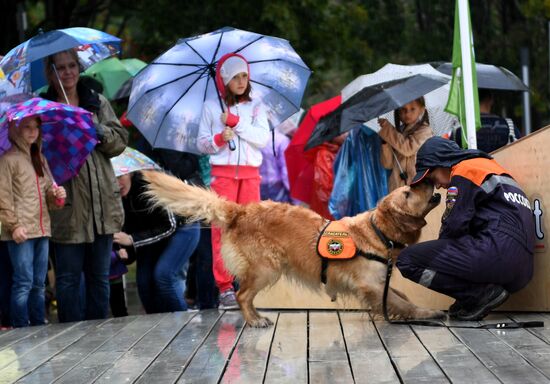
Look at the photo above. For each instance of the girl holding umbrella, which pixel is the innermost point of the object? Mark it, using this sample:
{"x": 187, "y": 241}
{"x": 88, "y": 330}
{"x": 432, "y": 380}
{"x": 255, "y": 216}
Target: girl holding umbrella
{"x": 82, "y": 232}
{"x": 27, "y": 191}
{"x": 233, "y": 140}
{"x": 400, "y": 143}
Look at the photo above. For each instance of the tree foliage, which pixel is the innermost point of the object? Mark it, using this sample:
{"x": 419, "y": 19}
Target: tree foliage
{"x": 338, "y": 39}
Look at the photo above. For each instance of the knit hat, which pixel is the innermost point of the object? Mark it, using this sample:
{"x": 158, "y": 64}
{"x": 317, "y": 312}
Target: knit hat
{"x": 231, "y": 67}
{"x": 228, "y": 66}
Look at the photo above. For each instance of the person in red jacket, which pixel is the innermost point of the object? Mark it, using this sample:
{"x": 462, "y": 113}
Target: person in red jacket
{"x": 233, "y": 139}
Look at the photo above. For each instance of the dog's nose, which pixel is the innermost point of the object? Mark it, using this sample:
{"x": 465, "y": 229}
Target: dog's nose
{"x": 436, "y": 198}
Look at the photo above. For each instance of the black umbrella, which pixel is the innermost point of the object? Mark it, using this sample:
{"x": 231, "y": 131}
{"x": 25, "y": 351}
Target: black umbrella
{"x": 371, "y": 102}
{"x": 489, "y": 77}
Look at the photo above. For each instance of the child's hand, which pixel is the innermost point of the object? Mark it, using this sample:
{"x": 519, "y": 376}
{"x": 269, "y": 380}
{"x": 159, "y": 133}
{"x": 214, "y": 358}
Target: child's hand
{"x": 385, "y": 124}
{"x": 59, "y": 193}
{"x": 19, "y": 235}
{"x": 123, "y": 239}
{"x": 223, "y": 117}
{"x": 122, "y": 254}
{"x": 228, "y": 134}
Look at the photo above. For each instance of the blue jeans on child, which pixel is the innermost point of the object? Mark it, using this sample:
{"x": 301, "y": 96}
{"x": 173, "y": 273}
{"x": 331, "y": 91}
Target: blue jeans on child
{"x": 30, "y": 265}
{"x": 94, "y": 259}
{"x": 158, "y": 275}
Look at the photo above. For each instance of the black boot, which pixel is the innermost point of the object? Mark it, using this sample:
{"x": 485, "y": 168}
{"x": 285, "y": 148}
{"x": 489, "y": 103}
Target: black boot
{"x": 492, "y": 297}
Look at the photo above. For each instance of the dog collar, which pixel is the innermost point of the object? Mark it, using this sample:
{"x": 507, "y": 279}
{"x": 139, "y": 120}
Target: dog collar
{"x": 390, "y": 244}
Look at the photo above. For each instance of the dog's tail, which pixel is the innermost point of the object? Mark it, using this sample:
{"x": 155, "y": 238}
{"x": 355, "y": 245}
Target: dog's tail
{"x": 195, "y": 203}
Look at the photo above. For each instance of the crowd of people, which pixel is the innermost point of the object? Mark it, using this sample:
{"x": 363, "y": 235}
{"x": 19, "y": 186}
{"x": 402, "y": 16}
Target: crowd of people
{"x": 98, "y": 222}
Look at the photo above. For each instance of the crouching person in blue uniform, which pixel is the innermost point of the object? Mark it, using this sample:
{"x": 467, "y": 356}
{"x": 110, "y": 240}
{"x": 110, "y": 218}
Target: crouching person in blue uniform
{"x": 487, "y": 238}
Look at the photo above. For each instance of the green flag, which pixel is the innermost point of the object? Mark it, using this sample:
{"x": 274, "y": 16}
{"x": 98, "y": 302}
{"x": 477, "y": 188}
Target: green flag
{"x": 456, "y": 101}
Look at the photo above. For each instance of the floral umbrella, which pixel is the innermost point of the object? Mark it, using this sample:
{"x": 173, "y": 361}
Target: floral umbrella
{"x": 168, "y": 95}
{"x": 130, "y": 161}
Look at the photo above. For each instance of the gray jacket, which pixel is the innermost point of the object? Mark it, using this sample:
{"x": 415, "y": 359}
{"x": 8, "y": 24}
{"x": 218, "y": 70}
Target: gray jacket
{"x": 93, "y": 196}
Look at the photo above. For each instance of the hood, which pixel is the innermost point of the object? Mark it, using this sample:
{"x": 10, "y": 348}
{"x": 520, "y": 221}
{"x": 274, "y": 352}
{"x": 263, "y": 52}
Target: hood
{"x": 219, "y": 81}
{"x": 88, "y": 99}
{"x": 437, "y": 152}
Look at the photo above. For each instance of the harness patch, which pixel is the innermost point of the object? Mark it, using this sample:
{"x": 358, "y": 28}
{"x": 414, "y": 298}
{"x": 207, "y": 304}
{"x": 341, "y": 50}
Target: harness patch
{"x": 335, "y": 242}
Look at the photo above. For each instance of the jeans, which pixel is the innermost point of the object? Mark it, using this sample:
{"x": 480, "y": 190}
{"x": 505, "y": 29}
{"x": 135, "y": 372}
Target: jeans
{"x": 6, "y": 273}
{"x": 30, "y": 265}
{"x": 158, "y": 275}
{"x": 94, "y": 259}
{"x": 207, "y": 292}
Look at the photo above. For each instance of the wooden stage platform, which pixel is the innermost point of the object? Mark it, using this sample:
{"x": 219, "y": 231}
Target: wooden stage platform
{"x": 303, "y": 347}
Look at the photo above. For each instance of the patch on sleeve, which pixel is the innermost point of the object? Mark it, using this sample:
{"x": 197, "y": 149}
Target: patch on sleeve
{"x": 452, "y": 195}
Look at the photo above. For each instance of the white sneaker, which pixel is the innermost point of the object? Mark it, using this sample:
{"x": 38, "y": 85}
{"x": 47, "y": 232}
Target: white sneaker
{"x": 228, "y": 300}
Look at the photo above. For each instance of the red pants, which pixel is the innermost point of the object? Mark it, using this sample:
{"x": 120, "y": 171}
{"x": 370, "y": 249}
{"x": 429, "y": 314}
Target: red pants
{"x": 241, "y": 191}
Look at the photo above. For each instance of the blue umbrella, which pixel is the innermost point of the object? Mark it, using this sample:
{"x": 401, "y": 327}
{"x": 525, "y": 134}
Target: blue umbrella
{"x": 24, "y": 67}
{"x": 167, "y": 96}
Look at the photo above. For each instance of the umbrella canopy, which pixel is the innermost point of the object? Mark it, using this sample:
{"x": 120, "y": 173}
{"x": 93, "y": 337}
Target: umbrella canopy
{"x": 299, "y": 164}
{"x": 124, "y": 90}
{"x": 130, "y": 161}
{"x": 490, "y": 77}
{"x": 24, "y": 67}
{"x": 168, "y": 95}
{"x": 113, "y": 73}
{"x": 133, "y": 66}
{"x": 68, "y": 134}
{"x": 441, "y": 122}
{"x": 370, "y": 96}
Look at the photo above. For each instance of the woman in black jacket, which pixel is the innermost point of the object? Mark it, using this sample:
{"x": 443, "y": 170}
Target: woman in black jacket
{"x": 161, "y": 244}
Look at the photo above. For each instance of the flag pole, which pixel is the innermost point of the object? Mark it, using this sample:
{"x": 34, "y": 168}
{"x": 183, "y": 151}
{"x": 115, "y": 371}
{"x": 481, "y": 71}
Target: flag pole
{"x": 466, "y": 48}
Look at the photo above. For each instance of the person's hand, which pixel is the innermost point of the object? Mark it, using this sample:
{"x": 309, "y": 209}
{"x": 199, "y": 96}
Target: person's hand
{"x": 123, "y": 238}
{"x": 19, "y": 235}
{"x": 122, "y": 254}
{"x": 59, "y": 193}
{"x": 228, "y": 134}
{"x": 385, "y": 124}
{"x": 223, "y": 117}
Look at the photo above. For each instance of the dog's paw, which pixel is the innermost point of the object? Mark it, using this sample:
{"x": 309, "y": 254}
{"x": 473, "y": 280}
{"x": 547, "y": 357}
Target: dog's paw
{"x": 430, "y": 314}
{"x": 261, "y": 322}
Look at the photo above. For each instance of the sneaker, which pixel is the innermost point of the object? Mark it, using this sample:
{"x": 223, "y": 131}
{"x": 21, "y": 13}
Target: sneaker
{"x": 493, "y": 297}
{"x": 228, "y": 300}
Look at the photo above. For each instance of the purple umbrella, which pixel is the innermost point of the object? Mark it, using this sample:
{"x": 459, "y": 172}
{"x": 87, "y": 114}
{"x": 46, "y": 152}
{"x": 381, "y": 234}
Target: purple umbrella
{"x": 68, "y": 134}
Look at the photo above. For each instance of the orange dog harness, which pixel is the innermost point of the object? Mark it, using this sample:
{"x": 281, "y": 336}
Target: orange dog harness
{"x": 335, "y": 242}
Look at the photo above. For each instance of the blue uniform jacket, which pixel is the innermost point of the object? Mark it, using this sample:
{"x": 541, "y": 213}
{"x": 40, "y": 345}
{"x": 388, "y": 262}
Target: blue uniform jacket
{"x": 488, "y": 201}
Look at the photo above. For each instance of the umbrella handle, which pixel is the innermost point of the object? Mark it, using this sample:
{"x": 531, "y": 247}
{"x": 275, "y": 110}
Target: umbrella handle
{"x": 231, "y": 144}
{"x": 58, "y": 200}
{"x": 59, "y": 82}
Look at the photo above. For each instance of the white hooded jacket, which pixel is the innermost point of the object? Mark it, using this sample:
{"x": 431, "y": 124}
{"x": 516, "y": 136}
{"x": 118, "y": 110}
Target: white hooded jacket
{"x": 251, "y": 134}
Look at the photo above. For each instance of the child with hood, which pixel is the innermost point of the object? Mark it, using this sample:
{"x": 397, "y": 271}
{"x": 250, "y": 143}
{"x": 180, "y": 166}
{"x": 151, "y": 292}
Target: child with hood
{"x": 233, "y": 139}
{"x": 27, "y": 191}
{"x": 400, "y": 143}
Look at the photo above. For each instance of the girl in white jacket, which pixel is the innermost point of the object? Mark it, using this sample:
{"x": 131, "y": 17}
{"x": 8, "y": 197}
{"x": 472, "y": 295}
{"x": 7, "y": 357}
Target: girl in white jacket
{"x": 233, "y": 140}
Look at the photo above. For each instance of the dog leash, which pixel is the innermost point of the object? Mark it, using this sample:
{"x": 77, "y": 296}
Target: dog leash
{"x": 430, "y": 323}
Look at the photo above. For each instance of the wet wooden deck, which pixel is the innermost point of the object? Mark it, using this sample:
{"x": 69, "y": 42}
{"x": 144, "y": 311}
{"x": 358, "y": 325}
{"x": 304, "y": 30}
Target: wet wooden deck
{"x": 303, "y": 347}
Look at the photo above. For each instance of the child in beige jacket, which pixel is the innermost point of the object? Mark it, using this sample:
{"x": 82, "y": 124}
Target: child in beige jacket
{"x": 400, "y": 143}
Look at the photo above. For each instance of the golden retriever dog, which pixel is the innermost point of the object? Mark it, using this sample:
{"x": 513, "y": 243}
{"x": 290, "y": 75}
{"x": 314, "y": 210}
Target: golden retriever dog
{"x": 262, "y": 241}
